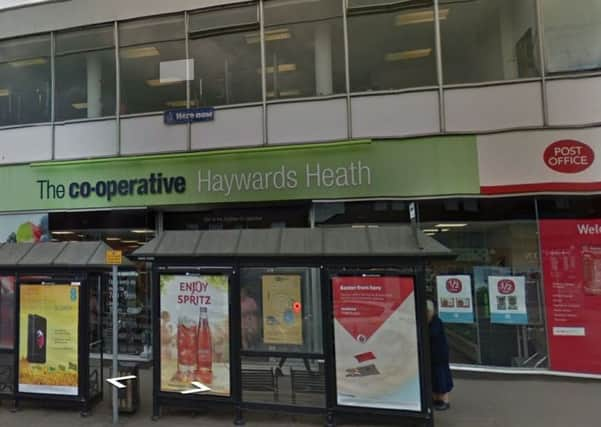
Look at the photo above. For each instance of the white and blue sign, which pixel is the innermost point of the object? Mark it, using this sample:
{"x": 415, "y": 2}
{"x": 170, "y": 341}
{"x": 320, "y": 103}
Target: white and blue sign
{"x": 189, "y": 115}
{"x": 455, "y": 302}
{"x": 508, "y": 300}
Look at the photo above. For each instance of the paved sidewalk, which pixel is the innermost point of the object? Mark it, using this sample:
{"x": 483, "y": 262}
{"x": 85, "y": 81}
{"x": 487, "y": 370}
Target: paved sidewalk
{"x": 492, "y": 402}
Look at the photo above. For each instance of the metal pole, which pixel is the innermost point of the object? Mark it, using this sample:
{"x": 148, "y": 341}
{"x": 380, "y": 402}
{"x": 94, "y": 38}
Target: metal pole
{"x": 115, "y": 344}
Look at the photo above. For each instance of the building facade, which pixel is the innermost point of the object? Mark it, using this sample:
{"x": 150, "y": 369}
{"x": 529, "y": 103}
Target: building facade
{"x": 327, "y": 113}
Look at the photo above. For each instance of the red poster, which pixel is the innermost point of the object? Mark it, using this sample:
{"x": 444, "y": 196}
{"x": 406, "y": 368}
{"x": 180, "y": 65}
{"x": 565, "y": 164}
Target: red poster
{"x": 571, "y": 255}
{"x": 375, "y": 335}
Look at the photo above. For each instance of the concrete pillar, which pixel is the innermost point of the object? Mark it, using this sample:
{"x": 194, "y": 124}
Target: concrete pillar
{"x": 323, "y": 60}
{"x": 94, "y": 90}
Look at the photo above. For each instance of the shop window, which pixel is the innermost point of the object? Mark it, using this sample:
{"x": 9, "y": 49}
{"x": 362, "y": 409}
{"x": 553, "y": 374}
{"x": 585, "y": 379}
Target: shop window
{"x": 154, "y": 69}
{"x": 391, "y": 47}
{"x": 571, "y": 35}
{"x": 495, "y": 279}
{"x": 304, "y": 48}
{"x": 225, "y": 48}
{"x": 126, "y": 231}
{"x": 85, "y": 74}
{"x": 25, "y": 83}
{"x": 488, "y": 40}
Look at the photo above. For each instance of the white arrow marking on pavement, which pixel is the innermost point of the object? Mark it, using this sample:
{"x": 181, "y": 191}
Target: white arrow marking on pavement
{"x": 200, "y": 388}
{"x": 115, "y": 381}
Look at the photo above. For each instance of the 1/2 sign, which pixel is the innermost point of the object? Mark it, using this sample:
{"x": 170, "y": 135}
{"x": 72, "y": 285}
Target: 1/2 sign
{"x": 506, "y": 286}
{"x": 454, "y": 285}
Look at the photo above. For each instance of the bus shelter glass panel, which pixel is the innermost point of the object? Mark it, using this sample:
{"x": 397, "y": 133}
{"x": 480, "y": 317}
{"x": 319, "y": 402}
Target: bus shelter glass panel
{"x": 49, "y": 337}
{"x": 281, "y": 310}
{"x": 282, "y": 336}
{"x": 95, "y": 336}
{"x": 7, "y": 333}
{"x": 195, "y": 332}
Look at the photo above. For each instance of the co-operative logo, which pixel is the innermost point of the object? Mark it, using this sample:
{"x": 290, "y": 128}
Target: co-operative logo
{"x": 569, "y": 156}
{"x": 506, "y": 286}
{"x": 454, "y": 286}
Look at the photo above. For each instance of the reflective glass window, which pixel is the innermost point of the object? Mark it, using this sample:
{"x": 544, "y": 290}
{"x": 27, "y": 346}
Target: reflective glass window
{"x": 226, "y": 52}
{"x": 304, "y": 48}
{"x": 25, "y": 80}
{"x": 154, "y": 69}
{"x": 392, "y": 48}
{"x": 572, "y": 35}
{"x": 85, "y": 74}
{"x": 488, "y": 40}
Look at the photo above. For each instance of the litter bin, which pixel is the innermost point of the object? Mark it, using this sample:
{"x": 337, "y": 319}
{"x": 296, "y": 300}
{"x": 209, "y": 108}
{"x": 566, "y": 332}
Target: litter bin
{"x": 129, "y": 397}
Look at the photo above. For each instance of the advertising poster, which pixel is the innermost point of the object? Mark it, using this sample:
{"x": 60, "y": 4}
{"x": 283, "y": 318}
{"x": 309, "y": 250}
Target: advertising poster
{"x": 508, "y": 300}
{"x": 48, "y": 339}
{"x": 195, "y": 333}
{"x": 375, "y": 333}
{"x": 22, "y": 228}
{"x": 282, "y": 316}
{"x": 571, "y": 255}
{"x": 455, "y": 304}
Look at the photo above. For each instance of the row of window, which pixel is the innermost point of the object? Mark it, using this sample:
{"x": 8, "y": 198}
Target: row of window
{"x": 216, "y": 57}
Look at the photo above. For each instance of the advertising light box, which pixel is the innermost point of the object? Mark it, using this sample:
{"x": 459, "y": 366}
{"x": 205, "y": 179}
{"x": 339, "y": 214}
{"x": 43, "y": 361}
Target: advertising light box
{"x": 375, "y": 334}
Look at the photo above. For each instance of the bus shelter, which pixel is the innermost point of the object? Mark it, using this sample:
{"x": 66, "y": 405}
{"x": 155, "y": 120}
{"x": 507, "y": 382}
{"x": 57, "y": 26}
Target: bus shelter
{"x": 51, "y": 322}
{"x": 329, "y": 320}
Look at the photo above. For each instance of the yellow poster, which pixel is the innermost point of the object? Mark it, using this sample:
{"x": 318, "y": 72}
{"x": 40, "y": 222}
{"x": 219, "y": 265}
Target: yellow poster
{"x": 282, "y": 309}
{"x": 48, "y": 339}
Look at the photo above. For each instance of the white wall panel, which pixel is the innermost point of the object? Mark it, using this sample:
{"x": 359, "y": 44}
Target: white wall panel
{"x": 491, "y": 108}
{"x": 395, "y": 115}
{"x": 86, "y": 139}
{"x": 28, "y": 144}
{"x": 574, "y": 102}
{"x": 144, "y": 135}
{"x": 308, "y": 121}
{"x": 231, "y": 128}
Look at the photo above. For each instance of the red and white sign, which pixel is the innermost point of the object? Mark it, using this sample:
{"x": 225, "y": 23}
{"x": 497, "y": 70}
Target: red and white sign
{"x": 571, "y": 255}
{"x": 569, "y": 156}
{"x": 539, "y": 161}
{"x": 375, "y": 338}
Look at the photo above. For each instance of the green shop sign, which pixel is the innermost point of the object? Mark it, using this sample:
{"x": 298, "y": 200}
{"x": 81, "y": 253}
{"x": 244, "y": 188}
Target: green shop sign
{"x": 355, "y": 169}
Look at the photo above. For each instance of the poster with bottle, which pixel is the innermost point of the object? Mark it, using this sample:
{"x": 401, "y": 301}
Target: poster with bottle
{"x": 571, "y": 258}
{"x": 48, "y": 339}
{"x": 376, "y": 348}
{"x": 508, "y": 300}
{"x": 195, "y": 334}
{"x": 455, "y": 303}
{"x": 282, "y": 309}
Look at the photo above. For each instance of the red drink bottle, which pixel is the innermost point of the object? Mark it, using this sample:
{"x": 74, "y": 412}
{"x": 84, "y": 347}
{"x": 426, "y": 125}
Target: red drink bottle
{"x": 204, "y": 351}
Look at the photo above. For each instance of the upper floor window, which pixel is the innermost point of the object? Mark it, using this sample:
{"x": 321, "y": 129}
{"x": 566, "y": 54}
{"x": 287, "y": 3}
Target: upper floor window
{"x": 25, "y": 80}
{"x": 572, "y": 35}
{"x": 154, "y": 69}
{"x": 226, "y": 53}
{"x": 488, "y": 40}
{"x": 304, "y": 48}
{"x": 85, "y": 73}
{"x": 392, "y": 46}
